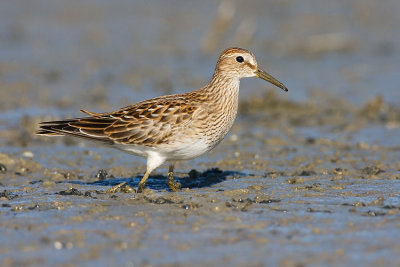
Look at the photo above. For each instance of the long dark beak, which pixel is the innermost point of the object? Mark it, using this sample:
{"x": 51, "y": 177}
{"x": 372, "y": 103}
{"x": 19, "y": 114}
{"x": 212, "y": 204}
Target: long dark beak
{"x": 265, "y": 76}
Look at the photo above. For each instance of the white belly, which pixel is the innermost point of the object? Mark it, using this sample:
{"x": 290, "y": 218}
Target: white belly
{"x": 177, "y": 151}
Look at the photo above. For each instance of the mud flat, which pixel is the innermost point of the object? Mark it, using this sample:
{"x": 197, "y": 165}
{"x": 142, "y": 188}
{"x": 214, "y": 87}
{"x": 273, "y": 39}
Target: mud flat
{"x": 312, "y": 183}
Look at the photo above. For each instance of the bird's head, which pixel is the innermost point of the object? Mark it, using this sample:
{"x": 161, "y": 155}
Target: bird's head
{"x": 240, "y": 63}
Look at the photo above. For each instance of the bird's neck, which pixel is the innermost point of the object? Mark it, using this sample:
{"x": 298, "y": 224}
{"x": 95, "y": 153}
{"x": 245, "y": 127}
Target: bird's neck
{"x": 220, "y": 97}
{"x": 223, "y": 88}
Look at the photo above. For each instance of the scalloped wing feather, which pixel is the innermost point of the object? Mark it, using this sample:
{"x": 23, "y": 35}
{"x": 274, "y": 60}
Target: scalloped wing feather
{"x": 146, "y": 123}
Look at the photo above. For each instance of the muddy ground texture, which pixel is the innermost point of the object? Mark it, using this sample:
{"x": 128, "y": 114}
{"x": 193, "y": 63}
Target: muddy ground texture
{"x": 294, "y": 184}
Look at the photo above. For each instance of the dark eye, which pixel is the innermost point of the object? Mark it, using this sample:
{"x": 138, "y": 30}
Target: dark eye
{"x": 239, "y": 59}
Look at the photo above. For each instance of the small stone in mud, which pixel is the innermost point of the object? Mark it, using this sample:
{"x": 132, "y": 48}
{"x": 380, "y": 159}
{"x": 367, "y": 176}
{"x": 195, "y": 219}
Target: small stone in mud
{"x": 291, "y": 180}
{"x": 313, "y": 210}
{"x": 375, "y": 213}
{"x": 391, "y": 207}
{"x": 95, "y": 191}
{"x": 268, "y": 201}
{"x": 374, "y": 170}
{"x": 263, "y": 198}
{"x": 191, "y": 206}
{"x": 70, "y": 192}
{"x": 68, "y": 175}
{"x": 115, "y": 188}
{"x": 36, "y": 182}
{"x": 273, "y": 174}
{"x": 379, "y": 201}
{"x": 6, "y": 195}
{"x": 242, "y": 200}
{"x": 239, "y": 204}
{"x": 17, "y": 208}
{"x": 122, "y": 187}
{"x": 315, "y": 186}
{"x": 3, "y": 168}
{"x": 101, "y": 174}
{"x": 359, "y": 204}
{"x": 36, "y": 206}
{"x": 28, "y": 154}
{"x": 337, "y": 171}
{"x": 160, "y": 200}
{"x": 128, "y": 189}
{"x": 305, "y": 173}
{"x": 61, "y": 245}
{"x": 310, "y": 141}
{"x": 22, "y": 171}
{"x": 88, "y": 194}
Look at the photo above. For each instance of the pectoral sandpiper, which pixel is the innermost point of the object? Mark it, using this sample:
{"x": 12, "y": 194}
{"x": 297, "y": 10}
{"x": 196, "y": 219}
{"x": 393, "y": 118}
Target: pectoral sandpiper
{"x": 173, "y": 127}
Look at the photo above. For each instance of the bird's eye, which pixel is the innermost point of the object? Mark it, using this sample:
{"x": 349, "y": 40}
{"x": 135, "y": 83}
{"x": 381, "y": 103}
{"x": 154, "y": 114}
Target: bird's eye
{"x": 239, "y": 59}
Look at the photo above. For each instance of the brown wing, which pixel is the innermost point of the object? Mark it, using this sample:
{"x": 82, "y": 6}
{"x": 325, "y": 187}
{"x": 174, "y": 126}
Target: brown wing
{"x": 145, "y": 123}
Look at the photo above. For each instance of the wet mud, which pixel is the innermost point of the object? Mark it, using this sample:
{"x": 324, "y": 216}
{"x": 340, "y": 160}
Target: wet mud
{"x": 303, "y": 179}
{"x": 311, "y": 178}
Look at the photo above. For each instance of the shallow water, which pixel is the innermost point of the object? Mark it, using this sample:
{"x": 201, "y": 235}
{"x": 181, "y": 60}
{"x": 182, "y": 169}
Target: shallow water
{"x": 307, "y": 178}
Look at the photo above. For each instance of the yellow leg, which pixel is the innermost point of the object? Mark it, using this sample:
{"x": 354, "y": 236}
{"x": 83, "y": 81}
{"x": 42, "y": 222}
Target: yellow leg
{"x": 174, "y": 186}
{"x": 142, "y": 182}
{"x": 171, "y": 170}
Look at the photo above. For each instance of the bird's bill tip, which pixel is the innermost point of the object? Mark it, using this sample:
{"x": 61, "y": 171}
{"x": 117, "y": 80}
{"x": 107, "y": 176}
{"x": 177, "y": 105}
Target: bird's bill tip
{"x": 265, "y": 76}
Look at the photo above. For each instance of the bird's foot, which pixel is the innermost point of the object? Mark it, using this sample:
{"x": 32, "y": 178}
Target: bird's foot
{"x": 140, "y": 188}
{"x": 115, "y": 188}
{"x": 174, "y": 186}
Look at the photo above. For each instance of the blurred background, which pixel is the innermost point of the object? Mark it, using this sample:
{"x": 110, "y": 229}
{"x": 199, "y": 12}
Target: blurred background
{"x": 58, "y": 56}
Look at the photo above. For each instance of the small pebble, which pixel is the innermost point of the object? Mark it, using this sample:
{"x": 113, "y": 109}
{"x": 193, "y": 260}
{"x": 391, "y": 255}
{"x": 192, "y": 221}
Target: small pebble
{"x": 28, "y": 154}
{"x": 291, "y": 180}
{"x": 3, "y": 168}
{"x": 101, "y": 174}
{"x": 58, "y": 245}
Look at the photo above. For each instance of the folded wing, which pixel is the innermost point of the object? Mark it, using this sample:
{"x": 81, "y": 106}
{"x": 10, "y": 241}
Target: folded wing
{"x": 145, "y": 123}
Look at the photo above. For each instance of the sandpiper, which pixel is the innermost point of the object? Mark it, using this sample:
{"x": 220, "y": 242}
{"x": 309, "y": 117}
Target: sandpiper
{"x": 173, "y": 127}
